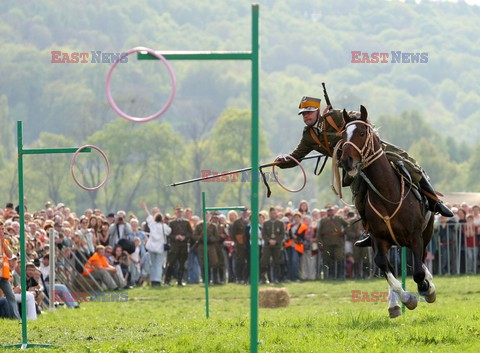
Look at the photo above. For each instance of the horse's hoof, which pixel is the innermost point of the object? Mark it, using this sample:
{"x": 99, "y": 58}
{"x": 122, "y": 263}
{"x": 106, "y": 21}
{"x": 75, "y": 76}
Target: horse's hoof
{"x": 394, "y": 312}
{"x": 410, "y": 300}
{"x": 430, "y": 295}
{"x": 430, "y": 298}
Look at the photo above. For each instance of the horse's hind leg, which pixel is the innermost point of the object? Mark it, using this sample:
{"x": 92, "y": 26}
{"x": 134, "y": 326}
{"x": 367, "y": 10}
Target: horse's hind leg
{"x": 420, "y": 271}
{"x": 430, "y": 294}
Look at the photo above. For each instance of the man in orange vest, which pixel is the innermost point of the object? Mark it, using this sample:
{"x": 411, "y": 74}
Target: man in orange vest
{"x": 5, "y": 286}
{"x": 101, "y": 270}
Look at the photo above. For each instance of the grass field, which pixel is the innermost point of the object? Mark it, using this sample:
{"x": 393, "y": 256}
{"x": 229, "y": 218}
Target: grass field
{"x": 321, "y": 318}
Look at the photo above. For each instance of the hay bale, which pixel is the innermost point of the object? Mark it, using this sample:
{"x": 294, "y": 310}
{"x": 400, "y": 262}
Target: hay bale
{"x": 273, "y": 297}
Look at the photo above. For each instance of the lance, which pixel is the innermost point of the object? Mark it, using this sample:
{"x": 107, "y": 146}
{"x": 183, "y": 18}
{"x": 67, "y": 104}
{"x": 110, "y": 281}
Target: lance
{"x": 237, "y": 171}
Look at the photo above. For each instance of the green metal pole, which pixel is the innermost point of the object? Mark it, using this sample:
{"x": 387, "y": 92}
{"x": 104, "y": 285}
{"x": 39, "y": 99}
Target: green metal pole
{"x": 22, "y": 233}
{"x": 254, "y": 183}
{"x": 404, "y": 273}
{"x": 205, "y": 254}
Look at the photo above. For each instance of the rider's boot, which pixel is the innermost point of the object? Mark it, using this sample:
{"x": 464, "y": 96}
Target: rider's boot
{"x": 365, "y": 242}
{"x": 434, "y": 203}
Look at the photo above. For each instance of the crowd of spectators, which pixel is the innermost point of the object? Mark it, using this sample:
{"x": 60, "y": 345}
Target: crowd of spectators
{"x": 120, "y": 250}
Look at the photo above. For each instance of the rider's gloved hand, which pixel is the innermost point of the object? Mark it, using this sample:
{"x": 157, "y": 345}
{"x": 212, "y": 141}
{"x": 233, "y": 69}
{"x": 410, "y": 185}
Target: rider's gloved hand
{"x": 282, "y": 161}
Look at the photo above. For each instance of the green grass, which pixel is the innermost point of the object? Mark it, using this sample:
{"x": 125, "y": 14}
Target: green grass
{"x": 321, "y": 318}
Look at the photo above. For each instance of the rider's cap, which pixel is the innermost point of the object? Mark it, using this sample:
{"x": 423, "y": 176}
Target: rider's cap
{"x": 308, "y": 104}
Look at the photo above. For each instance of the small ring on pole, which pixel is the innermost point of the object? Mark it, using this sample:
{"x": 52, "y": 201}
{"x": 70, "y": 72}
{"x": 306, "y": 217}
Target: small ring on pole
{"x": 109, "y": 93}
{"x": 73, "y": 165}
{"x": 304, "y": 176}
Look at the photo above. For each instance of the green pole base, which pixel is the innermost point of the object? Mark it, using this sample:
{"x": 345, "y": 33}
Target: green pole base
{"x": 28, "y": 345}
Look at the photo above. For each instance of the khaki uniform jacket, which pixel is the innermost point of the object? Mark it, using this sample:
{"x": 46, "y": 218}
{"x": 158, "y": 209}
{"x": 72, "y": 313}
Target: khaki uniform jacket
{"x": 213, "y": 235}
{"x": 180, "y": 227}
{"x": 238, "y": 232}
{"x": 273, "y": 230}
{"x": 329, "y": 227}
{"x": 324, "y": 129}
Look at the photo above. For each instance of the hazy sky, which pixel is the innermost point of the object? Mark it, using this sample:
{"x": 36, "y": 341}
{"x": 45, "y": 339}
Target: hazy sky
{"x": 470, "y": 2}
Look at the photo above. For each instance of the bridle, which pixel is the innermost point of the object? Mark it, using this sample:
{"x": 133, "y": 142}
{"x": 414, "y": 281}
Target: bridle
{"x": 368, "y": 155}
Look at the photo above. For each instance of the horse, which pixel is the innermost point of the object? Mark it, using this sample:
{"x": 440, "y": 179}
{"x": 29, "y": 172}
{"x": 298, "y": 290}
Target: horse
{"x": 394, "y": 216}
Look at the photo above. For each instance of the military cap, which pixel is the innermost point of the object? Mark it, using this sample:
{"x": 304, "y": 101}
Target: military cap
{"x": 178, "y": 208}
{"x": 308, "y": 104}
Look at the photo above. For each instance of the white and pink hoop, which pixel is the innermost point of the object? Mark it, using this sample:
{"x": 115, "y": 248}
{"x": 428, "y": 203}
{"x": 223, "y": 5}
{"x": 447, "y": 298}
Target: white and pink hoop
{"x": 109, "y": 93}
{"x": 304, "y": 176}
{"x": 72, "y": 167}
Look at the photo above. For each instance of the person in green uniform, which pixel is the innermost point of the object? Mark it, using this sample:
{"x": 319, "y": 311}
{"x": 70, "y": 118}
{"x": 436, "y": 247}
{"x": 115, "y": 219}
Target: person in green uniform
{"x": 179, "y": 237}
{"x": 330, "y": 234}
{"x": 220, "y": 248}
{"x": 212, "y": 238}
{"x": 241, "y": 246}
{"x": 273, "y": 232}
{"x": 322, "y": 133}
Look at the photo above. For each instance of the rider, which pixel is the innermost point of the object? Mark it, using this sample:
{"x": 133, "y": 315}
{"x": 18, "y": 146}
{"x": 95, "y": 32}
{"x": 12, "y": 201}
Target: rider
{"x": 322, "y": 133}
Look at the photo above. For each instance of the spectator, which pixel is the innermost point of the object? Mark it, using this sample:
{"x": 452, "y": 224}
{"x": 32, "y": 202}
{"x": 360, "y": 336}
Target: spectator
{"x": 122, "y": 260}
{"x": 5, "y": 254}
{"x": 119, "y": 229}
{"x": 331, "y": 237}
{"x": 308, "y": 260}
{"x": 294, "y": 244}
{"x": 33, "y": 286}
{"x": 157, "y": 245}
{"x": 103, "y": 234}
{"x": 87, "y": 235}
{"x": 446, "y": 232}
{"x": 273, "y": 233}
{"x": 471, "y": 235}
{"x": 303, "y": 208}
{"x": 110, "y": 218}
{"x": 180, "y": 236}
{"x": 241, "y": 246}
{"x": 461, "y": 243}
{"x": 138, "y": 233}
{"x": 99, "y": 268}
{"x": 135, "y": 262}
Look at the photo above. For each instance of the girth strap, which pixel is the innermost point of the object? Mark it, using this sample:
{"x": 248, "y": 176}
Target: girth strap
{"x": 387, "y": 219}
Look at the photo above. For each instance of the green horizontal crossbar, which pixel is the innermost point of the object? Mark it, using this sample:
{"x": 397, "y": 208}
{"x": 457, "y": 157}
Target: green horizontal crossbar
{"x": 54, "y": 150}
{"x": 198, "y": 55}
{"x": 224, "y": 208}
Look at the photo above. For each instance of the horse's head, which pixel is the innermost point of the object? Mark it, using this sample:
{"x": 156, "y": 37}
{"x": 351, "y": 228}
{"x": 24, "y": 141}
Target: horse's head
{"x": 358, "y": 146}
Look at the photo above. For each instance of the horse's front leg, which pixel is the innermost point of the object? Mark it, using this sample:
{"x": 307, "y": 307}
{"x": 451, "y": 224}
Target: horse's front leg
{"x": 394, "y": 309}
{"x": 409, "y": 299}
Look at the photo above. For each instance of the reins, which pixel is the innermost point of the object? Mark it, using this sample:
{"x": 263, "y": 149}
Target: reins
{"x": 368, "y": 155}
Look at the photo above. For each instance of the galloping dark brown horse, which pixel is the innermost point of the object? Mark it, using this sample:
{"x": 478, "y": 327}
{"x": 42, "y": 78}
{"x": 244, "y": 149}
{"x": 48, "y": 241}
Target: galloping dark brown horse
{"x": 393, "y": 213}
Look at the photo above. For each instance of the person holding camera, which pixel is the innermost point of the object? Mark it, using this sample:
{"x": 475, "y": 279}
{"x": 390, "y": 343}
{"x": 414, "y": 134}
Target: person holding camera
{"x": 119, "y": 229}
{"x": 157, "y": 244}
